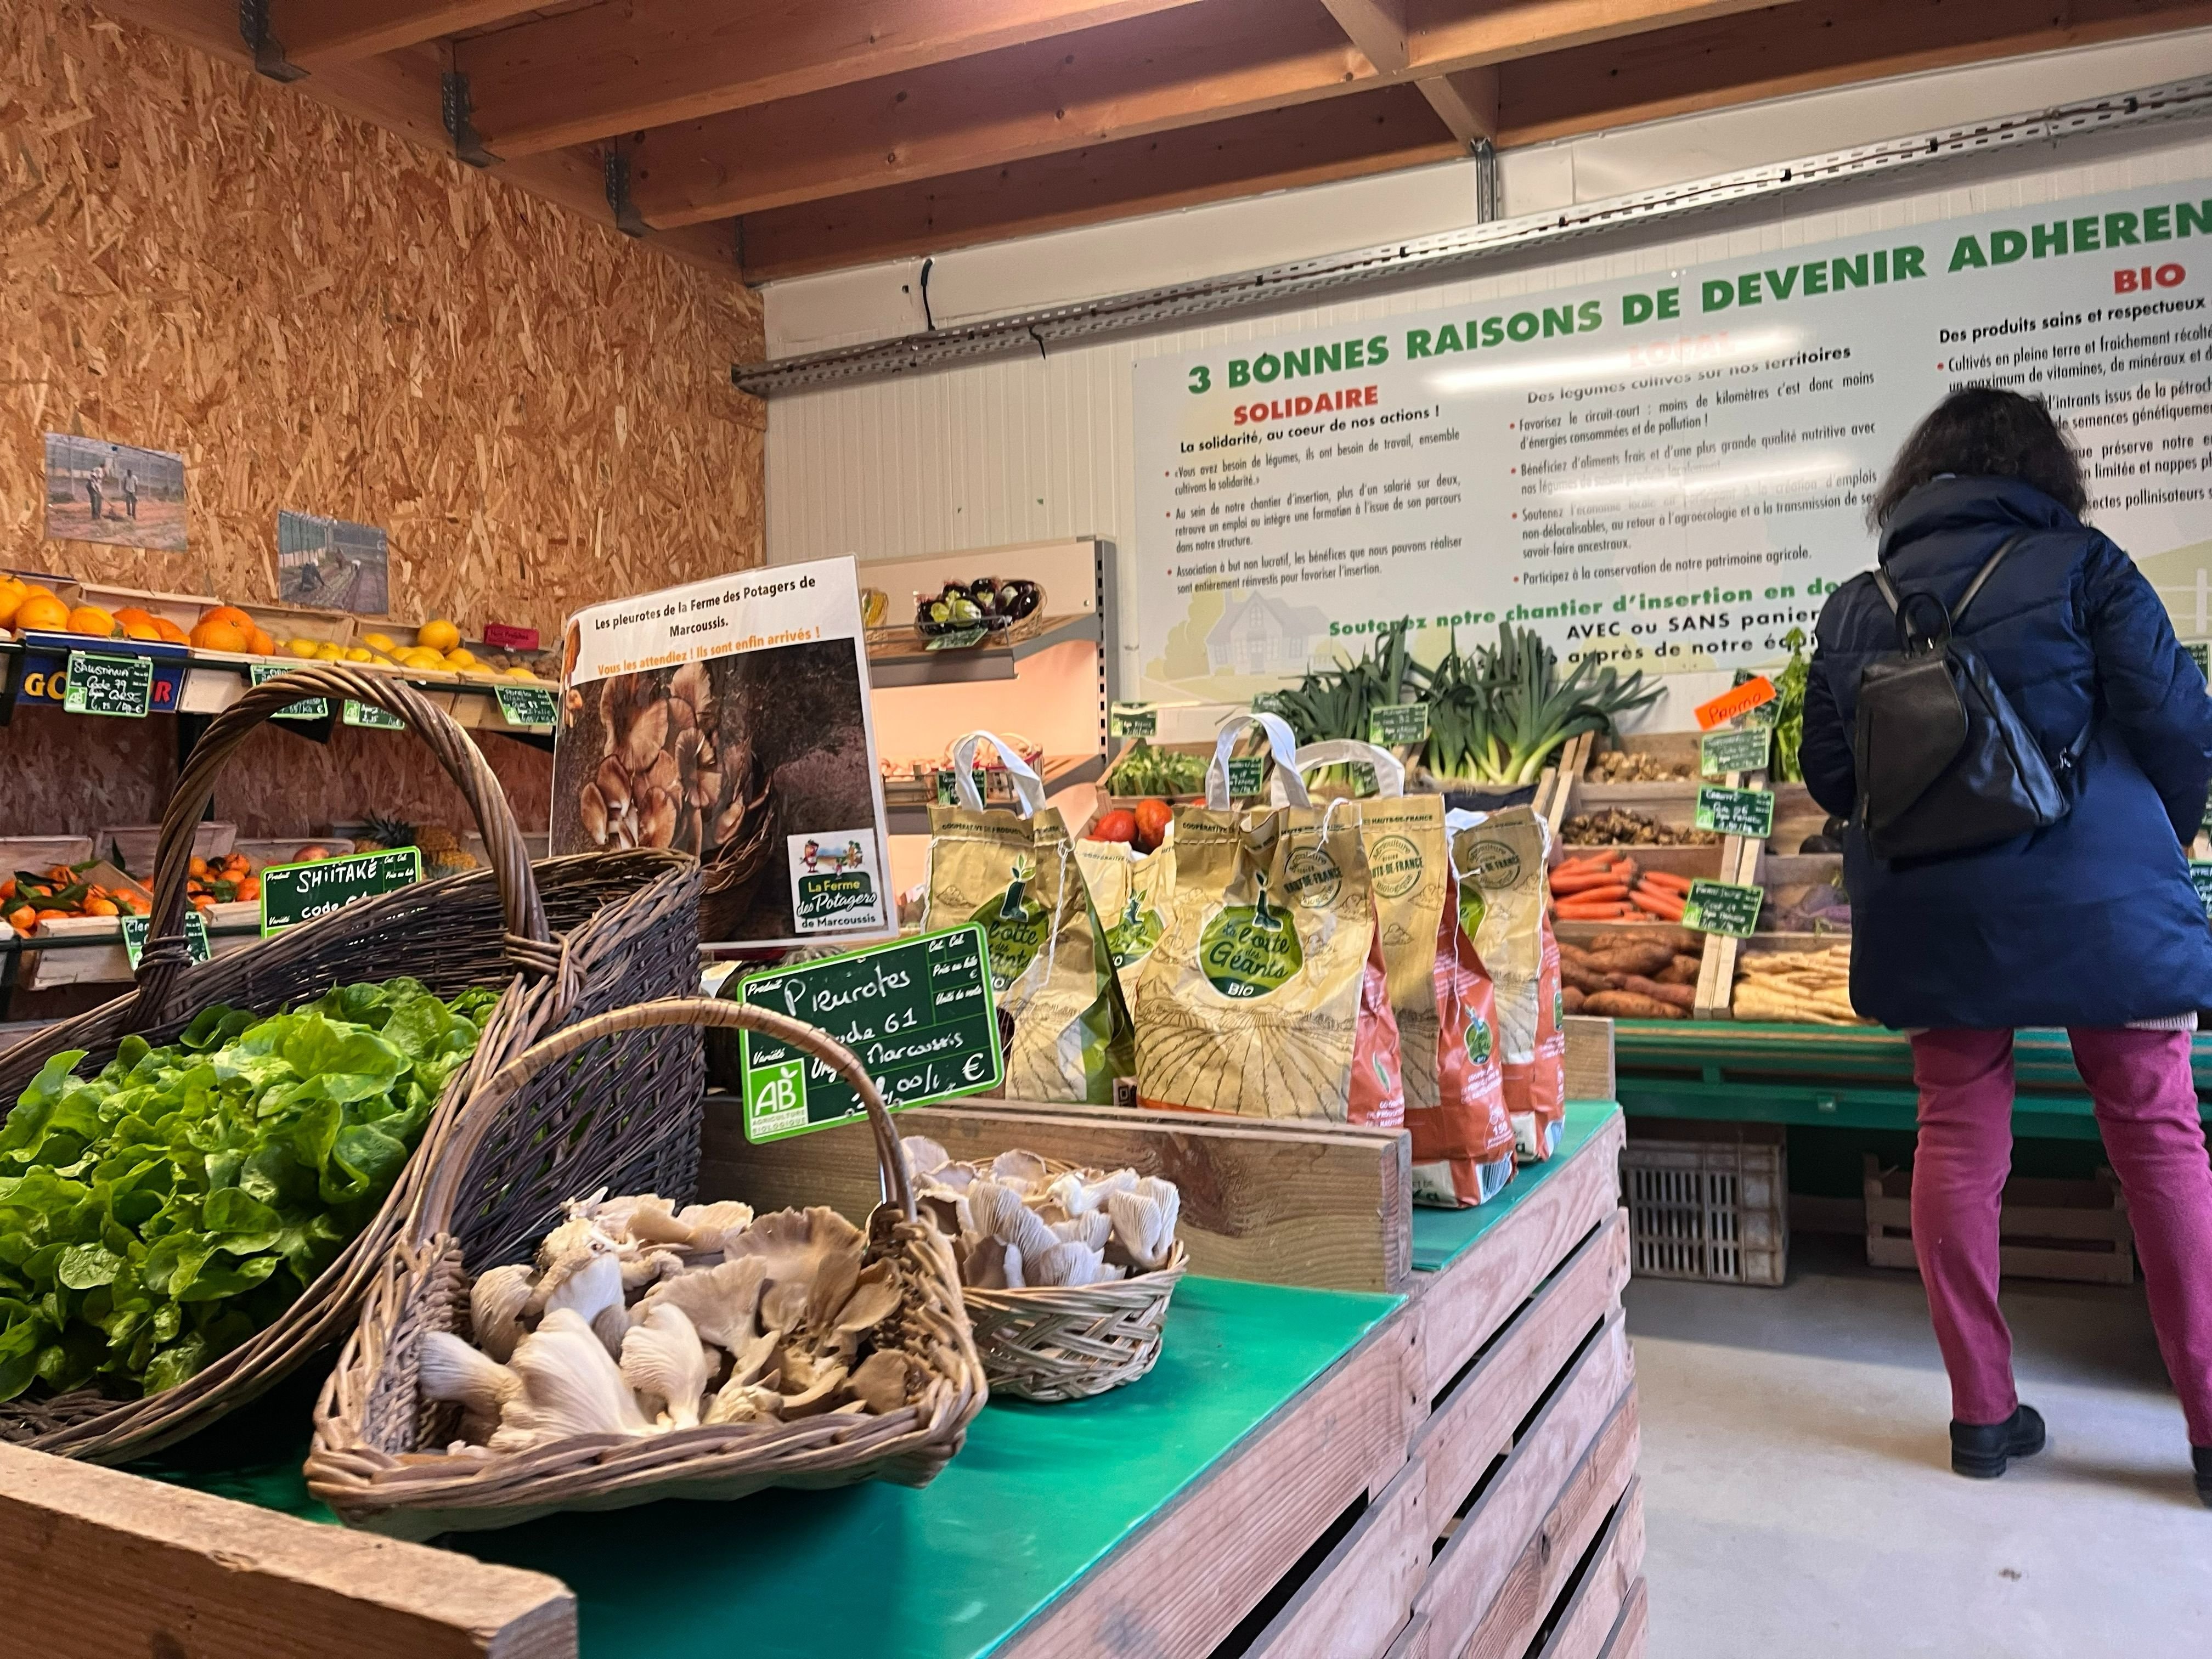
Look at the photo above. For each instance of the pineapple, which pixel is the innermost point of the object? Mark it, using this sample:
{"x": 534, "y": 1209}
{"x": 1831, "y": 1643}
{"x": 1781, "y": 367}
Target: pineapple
{"x": 437, "y": 841}
{"x": 381, "y": 835}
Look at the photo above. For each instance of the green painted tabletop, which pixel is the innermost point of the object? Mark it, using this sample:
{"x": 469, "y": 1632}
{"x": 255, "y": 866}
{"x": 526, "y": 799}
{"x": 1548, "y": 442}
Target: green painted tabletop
{"x": 1440, "y": 1236}
{"x": 1038, "y": 1497}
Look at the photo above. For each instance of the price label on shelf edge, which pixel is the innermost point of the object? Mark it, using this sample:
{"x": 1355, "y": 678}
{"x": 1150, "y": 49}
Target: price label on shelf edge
{"x": 120, "y": 687}
{"x": 1737, "y": 701}
{"x": 918, "y": 1012}
{"x": 1736, "y": 812}
{"x": 527, "y": 705}
{"x": 1133, "y": 719}
{"x": 1720, "y": 907}
{"x": 2200, "y": 878}
{"x": 198, "y": 945}
{"x": 368, "y": 715}
{"x": 307, "y": 708}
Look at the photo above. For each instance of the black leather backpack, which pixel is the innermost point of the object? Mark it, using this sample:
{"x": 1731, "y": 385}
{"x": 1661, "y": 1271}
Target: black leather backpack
{"x": 1945, "y": 764}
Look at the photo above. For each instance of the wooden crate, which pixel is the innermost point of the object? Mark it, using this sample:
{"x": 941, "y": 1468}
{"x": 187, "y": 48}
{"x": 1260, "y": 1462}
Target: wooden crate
{"x": 85, "y": 963}
{"x": 1284, "y": 1201}
{"x": 2070, "y": 1229}
{"x": 133, "y": 1566}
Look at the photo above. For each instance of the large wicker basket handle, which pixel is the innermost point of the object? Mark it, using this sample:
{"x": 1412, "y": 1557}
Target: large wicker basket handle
{"x": 452, "y": 1161}
{"x": 529, "y": 940}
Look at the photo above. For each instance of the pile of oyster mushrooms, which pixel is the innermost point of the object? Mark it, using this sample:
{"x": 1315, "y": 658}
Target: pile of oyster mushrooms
{"x": 1015, "y": 1226}
{"x": 637, "y": 1318}
{"x": 669, "y": 776}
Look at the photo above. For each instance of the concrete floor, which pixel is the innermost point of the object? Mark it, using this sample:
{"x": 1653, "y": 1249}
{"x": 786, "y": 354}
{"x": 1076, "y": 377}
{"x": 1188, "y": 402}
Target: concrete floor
{"x": 1799, "y": 1500}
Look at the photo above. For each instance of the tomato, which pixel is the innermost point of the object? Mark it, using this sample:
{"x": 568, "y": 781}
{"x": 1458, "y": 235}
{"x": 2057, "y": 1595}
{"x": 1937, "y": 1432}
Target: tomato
{"x": 1153, "y": 817}
{"x": 1119, "y": 824}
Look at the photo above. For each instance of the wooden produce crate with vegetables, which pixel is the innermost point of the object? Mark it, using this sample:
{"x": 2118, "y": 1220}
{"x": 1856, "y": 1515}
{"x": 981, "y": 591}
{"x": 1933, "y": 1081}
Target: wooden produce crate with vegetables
{"x": 74, "y": 907}
{"x": 1642, "y": 973}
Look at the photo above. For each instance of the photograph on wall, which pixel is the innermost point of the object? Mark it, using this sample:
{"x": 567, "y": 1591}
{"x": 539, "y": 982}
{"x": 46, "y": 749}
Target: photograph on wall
{"x": 104, "y": 492}
{"x": 332, "y": 565}
{"x": 729, "y": 718}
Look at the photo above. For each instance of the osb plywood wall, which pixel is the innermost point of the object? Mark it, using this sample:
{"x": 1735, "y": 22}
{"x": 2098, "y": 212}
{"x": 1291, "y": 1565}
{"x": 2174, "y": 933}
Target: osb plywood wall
{"x": 320, "y": 316}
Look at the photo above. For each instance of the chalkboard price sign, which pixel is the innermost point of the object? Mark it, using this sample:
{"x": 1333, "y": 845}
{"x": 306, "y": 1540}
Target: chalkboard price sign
{"x": 2200, "y": 877}
{"x": 369, "y": 715}
{"x": 1133, "y": 719}
{"x": 1246, "y": 774}
{"x": 917, "y": 1012}
{"x": 1397, "y": 723}
{"x": 293, "y": 893}
{"x": 1720, "y": 907}
{"x": 307, "y": 708}
{"x": 1736, "y": 812}
{"x": 198, "y": 946}
{"x": 526, "y": 705}
{"x": 118, "y": 686}
{"x": 1720, "y": 753}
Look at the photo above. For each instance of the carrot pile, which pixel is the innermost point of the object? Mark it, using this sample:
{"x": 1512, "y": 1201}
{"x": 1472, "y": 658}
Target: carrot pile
{"x": 1610, "y": 886}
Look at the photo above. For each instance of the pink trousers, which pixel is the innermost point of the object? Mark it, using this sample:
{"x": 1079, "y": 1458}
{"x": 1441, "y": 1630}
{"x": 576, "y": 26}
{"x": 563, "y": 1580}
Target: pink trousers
{"x": 2146, "y": 1109}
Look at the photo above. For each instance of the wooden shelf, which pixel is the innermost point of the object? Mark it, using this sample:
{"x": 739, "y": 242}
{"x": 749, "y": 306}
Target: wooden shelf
{"x": 897, "y": 658}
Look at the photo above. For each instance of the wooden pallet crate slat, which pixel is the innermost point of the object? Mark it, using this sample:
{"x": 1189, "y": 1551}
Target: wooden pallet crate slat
{"x": 1585, "y": 1627}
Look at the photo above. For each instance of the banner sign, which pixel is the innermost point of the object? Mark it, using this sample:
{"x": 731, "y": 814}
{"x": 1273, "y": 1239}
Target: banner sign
{"x": 1671, "y": 470}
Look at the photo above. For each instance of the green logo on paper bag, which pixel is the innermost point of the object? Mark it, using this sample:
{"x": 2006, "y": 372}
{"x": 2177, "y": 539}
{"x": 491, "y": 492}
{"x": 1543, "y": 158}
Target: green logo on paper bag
{"x": 1132, "y": 937}
{"x": 1015, "y": 924}
{"x": 1478, "y": 1043}
{"x": 1395, "y": 863}
{"x": 1311, "y": 878}
{"x": 1496, "y": 865}
{"x": 1248, "y": 950}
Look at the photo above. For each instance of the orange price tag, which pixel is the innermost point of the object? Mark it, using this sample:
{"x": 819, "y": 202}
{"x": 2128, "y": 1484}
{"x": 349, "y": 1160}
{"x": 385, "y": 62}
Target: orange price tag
{"x": 1736, "y": 700}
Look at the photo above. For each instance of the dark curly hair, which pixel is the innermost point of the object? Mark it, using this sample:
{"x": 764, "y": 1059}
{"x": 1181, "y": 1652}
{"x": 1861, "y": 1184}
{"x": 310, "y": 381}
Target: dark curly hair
{"x": 1985, "y": 431}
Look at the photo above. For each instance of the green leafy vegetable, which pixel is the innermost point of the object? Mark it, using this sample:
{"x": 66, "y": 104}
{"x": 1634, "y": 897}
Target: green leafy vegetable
{"x": 1146, "y": 770}
{"x": 1496, "y": 716}
{"x": 156, "y": 1216}
{"x": 1789, "y": 710}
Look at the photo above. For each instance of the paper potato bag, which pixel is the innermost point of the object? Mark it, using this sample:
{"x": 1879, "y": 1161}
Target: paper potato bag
{"x": 1462, "y": 1151}
{"x": 1131, "y": 893}
{"x": 1499, "y": 859}
{"x": 1267, "y": 995}
{"x": 1015, "y": 873}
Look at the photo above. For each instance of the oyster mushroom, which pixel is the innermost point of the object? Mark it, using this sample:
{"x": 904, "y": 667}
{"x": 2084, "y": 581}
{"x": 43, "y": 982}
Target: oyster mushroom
{"x": 496, "y": 1303}
{"x": 643, "y": 736}
{"x": 1145, "y": 1221}
{"x": 719, "y": 1301}
{"x": 663, "y": 774}
{"x": 448, "y": 1368}
{"x": 664, "y": 1361}
{"x": 881, "y": 1382}
{"x": 695, "y": 685}
{"x": 657, "y": 819}
{"x": 591, "y": 813}
{"x": 613, "y": 782}
{"x": 571, "y": 1386}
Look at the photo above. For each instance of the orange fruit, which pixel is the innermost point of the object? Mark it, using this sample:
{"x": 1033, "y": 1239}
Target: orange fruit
{"x": 100, "y": 907}
{"x": 91, "y": 619}
{"x": 214, "y": 635}
{"x": 44, "y": 612}
{"x": 229, "y": 613}
{"x": 127, "y": 614}
{"x": 13, "y": 592}
{"x": 166, "y": 629}
{"x": 260, "y": 644}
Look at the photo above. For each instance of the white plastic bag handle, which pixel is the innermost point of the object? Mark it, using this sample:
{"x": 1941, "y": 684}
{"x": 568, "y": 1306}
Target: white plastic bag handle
{"x": 1389, "y": 771}
{"x": 1029, "y": 788}
{"x": 1282, "y": 744}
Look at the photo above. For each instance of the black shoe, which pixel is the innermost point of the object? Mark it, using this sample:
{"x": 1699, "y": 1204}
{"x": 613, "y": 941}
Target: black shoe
{"x": 1980, "y": 1450}
{"x": 2202, "y": 1456}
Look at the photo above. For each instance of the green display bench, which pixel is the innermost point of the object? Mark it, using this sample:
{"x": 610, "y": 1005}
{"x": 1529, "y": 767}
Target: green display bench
{"x": 1306, "y": 1474}
{"x": 1839, "y": 1077}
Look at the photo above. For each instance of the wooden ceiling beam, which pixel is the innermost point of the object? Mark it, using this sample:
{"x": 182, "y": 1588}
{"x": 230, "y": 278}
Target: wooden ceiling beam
{"x": 1803, "y": 47}
{"x": 626, "y": 65}
{"x": 1377, "y": 27}
{"x": 320, "y": 34}
{"x": 1443, "y": 36}
{"x": 1375, "y": 132}
{"x": 1201, "y": 63}
{"x": 1466, "y": 102}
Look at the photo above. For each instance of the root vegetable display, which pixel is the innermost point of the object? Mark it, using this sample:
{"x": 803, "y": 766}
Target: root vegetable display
{"x": 1634, "y": 766}
{"x": 1615, "y": 827}
{"x": 1612, "y": 887}
{"x": 1807, "y": 986}
{"x": 1628, "y": 1005}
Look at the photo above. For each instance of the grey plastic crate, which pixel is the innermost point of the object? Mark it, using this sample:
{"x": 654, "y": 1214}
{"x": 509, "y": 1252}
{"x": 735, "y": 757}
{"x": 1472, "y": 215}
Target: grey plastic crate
{"x": 1709, "y": 1202}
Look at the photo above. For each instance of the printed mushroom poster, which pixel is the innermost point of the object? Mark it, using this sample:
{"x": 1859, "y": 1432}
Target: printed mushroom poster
{"x": 729, "y": 718}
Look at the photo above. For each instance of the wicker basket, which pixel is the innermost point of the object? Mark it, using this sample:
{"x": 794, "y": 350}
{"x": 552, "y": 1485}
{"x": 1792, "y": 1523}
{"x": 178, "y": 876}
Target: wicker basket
{"x": 627, "y": 922}
{"x": 1069, "y": 1342}
{"x": 377, "y": 1456}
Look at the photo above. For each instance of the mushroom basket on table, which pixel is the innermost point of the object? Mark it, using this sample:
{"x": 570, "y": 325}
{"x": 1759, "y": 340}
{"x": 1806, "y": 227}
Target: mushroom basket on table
{"x": 642, "y": 1347}
{"x": 1066, "y": 1271}
{"x": 197, "y": 1178}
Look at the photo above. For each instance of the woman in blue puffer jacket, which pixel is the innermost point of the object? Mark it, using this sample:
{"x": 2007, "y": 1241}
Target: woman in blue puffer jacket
{"x": 2091, "y": 923}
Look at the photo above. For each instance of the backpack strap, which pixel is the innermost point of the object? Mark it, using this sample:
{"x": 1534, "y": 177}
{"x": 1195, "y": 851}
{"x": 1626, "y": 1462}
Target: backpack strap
{"x": 1982, "y": 575}
{"x": 1897, "y": 608}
